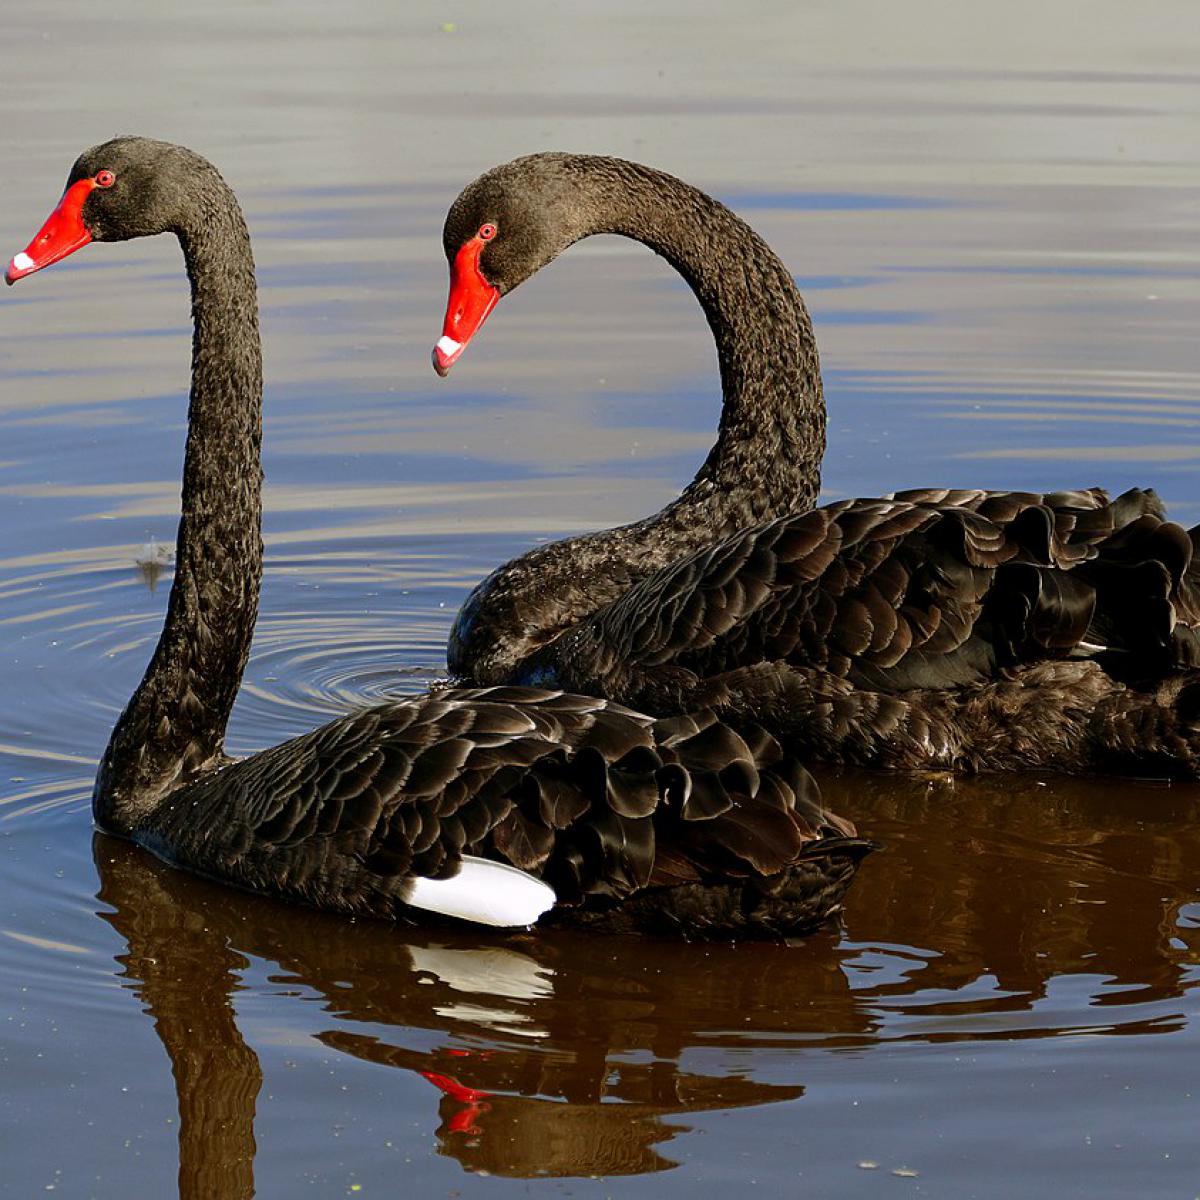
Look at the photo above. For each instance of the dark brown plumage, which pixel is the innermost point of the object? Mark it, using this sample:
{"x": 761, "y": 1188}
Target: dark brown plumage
{"x": 603, "y": 804}
{"x": 933, "y": 628}
{"x": 676, "y": 824}
{"x": 964, "y": 630}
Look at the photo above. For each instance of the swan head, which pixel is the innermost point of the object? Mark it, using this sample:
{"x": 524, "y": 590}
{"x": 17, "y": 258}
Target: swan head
{"x": 125, "y": 188}
{"x": 503, "y": 228}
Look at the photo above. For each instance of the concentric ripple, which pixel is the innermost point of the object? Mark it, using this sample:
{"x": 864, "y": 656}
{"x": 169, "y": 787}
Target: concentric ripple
{"x": 331, "y": 636}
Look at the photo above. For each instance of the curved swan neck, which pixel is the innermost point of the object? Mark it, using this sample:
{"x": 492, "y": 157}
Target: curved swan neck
{"x": 174, "y": 726}
{"x": 767, "y": 457}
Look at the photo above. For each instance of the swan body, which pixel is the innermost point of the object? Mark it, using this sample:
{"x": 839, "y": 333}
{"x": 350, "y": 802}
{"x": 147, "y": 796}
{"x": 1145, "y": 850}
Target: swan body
{"x": 934, "y": 628}
{"x": 497, "y": 806}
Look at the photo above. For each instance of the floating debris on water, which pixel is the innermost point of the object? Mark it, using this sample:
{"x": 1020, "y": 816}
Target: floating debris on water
{"x": 151, "y": 560}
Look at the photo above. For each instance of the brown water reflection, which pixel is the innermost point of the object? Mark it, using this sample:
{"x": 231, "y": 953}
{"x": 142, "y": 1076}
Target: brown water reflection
{"x": 1016, "y": 882}
{"x": 563, "y": 1055}
{"x": 560, "y": 1057}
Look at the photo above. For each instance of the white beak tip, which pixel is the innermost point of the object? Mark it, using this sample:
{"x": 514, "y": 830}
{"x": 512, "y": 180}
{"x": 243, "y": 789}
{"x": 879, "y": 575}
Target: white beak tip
{"x": 20, "y": 266}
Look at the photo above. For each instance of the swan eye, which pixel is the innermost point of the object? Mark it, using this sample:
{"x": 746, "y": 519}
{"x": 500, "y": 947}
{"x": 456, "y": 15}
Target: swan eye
{"x": 105, "y": 179}
{"x": 487, "y": 232}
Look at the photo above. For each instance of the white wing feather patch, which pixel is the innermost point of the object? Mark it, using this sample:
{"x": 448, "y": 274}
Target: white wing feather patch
{"x": 485, "y": 892}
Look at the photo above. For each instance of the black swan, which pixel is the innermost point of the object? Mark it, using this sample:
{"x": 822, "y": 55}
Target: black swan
{"x": 486, "y": 805}
{"x": 930, "y": 628}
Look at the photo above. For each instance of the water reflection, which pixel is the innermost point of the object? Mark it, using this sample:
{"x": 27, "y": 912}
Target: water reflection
{"x": 548, "y": 1063}
{"x": 524, "y": 1115}
{"x": 1027, "y": 891}
{"x": 1001, "y": 909}
{"x": 185, "y": 973}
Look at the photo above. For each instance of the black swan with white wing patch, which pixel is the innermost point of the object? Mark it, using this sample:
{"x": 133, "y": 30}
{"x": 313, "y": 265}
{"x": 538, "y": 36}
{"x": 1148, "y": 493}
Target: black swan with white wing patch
{"x": 491, "y": 805}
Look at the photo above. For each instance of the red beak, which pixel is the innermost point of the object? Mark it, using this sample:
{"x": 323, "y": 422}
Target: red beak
{"x": 63, "y": 233}
{"x": 471, "y": 299}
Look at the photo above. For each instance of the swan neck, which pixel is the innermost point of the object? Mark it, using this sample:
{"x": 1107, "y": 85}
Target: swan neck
{"x": 771, "y": 439}
{"x": 173, "y": 728}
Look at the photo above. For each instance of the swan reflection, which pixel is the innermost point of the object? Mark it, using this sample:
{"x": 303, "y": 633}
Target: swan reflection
{"x": 1000, "y": 910}
{"x": 552, "y": 1055}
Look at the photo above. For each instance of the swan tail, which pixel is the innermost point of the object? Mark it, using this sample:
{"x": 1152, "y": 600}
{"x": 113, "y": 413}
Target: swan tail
{"x": 705, "y": 804}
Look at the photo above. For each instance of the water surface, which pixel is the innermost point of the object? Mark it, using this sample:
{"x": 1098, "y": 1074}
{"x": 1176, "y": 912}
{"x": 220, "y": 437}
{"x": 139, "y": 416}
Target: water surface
{"x": 993, "y": 217}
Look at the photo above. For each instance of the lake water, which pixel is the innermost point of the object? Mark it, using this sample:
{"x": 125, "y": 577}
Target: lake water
{"x": 994, "y": 217}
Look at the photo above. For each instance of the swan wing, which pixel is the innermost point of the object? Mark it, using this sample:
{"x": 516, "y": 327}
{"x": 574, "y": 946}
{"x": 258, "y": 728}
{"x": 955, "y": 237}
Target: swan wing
{"x": 928, "y": 589}
{"x": 591, "y": 798}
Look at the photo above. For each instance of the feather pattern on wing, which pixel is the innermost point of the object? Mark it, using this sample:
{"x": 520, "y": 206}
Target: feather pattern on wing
{"x": 926, "y": 596}
{"x": 600, "y": 802}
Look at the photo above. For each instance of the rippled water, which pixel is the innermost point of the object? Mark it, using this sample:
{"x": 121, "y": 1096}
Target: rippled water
{"x": 994, "y": 219}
